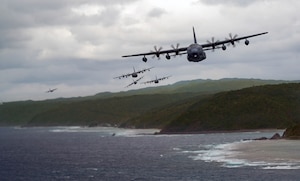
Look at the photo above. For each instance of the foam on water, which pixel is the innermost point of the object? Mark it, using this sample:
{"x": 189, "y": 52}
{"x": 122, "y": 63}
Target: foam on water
{"x": 106, "y": 131}
{"x": 281, "y": 154}
{"x": 75, "y": 153}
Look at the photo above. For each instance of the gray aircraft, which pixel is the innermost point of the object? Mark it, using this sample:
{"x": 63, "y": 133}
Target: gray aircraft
{"x": 134, "y": 82}
{"x": 134, "y": 74}
{"x": 51, "y": 90}
{"x": 195, "y": 52}
{"x": 156, "y": 80}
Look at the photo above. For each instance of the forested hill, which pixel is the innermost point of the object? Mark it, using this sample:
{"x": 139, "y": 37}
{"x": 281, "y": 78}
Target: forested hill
{"x": 199, "y": 86}
{"x": 155, "y": 107}
{"x": 261, "y": 107}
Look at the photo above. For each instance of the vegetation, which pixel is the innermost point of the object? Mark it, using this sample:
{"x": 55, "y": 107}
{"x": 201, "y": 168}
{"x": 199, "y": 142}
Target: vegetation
{"x": 189, "y": 106}
{"x": 109, "y": 111}
{"x": 271, "y": 106}
{"x": 292, "y": 132}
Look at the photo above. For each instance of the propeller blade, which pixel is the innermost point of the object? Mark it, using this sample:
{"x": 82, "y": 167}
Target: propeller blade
{"x": 232, "y": 39}
{"x": 176, "y": 49}
{"x": 156, "y": 52}
{"x": 213, "y": 42}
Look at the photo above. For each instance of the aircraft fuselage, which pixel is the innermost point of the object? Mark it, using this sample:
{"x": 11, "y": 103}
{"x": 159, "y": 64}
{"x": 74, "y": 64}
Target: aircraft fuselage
{"x": 195, "y": 53}
{"x": 134, "y": 75}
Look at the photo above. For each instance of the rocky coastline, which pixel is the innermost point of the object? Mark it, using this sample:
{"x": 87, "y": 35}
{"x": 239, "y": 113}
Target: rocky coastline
{"x": 292, "y": 132}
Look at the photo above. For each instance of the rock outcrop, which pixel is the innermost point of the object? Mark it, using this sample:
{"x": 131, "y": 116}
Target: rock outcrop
{"x": 292, "y": 132}
{"x": 276, "y": 136}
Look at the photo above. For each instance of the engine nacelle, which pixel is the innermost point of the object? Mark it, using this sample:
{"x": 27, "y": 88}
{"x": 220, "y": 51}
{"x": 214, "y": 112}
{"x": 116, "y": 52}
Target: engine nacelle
{"x": 223, "y": 47}
{"x": 168, "y": 57}
{"x": 144, "y": 59}
{"x": 247, "y": 42}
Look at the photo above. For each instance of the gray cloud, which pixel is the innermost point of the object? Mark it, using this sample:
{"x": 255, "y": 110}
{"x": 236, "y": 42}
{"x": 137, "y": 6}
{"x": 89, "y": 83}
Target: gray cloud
{"x": 230, "y": 2}
{"x": 156, "y": 12}
{"x": 77, "y": 45}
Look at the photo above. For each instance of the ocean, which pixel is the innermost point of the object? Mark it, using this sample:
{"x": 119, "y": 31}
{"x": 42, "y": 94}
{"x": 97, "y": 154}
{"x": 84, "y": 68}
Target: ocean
{"x": 77, "y": 153}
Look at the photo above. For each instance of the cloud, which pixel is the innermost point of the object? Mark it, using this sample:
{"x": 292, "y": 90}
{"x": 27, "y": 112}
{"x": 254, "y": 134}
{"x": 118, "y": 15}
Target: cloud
{"x": 77, "y": 45}
{"x": 156, "y": 12}
{"x": 230, "y": 2}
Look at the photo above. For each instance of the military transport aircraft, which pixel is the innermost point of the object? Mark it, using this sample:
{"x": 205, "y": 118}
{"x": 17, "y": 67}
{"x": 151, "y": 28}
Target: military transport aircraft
{"x": 134, "y": 74}
{"x": 51, "y": 90}
{"x": 134, "y": 82}
{"x": 195, "y": 52}
{"x": 156, "y": 80}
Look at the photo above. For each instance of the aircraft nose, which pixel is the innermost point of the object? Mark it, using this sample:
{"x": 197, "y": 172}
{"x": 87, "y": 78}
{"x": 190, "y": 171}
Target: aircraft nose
{"x": 195, "y": 53}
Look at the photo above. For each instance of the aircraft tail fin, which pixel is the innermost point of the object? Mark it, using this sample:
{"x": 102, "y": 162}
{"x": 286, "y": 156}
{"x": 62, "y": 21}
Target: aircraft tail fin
{"x": 195, "y": 40}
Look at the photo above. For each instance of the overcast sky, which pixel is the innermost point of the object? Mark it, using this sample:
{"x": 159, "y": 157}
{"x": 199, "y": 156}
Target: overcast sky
{"x": 76, "y": 45}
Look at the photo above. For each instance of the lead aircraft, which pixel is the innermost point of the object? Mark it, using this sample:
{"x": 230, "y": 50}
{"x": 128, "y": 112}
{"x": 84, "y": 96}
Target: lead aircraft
{"x": 195, "y": 52}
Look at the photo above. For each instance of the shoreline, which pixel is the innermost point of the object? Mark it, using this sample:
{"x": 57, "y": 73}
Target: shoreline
{"x": 281, "y": 154}
{"x": 264, "y": 154}
{"x": 157, "y": 132}
{"x": 225, "y": 131}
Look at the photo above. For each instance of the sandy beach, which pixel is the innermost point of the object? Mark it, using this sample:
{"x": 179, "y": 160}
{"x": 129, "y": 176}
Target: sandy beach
{"x": 269, "y": 153}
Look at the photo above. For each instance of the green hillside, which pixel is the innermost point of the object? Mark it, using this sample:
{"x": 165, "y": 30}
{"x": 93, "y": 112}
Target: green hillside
{"x": 20, "y": 113}
{"x": 150, "y": 107}
{"x": 159, "y": 117}
{"x": 270, "y": 106}
{"x": 109, "y": 111}
{"x": 199, "y": 86}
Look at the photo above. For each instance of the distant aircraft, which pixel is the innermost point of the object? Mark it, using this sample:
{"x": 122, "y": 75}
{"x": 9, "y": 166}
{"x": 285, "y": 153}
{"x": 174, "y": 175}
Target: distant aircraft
{"x": 51, "y": 90}
{"x": 134, "y": 74}
{"x": 156, "y": 80}
{"x": 195, "y": 52}
{"x": 134, "y": 82}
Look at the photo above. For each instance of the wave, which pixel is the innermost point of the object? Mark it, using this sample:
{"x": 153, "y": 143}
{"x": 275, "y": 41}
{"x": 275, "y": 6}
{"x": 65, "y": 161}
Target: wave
{"x": 281, "y": 154}
{"x": 106, "y": 131}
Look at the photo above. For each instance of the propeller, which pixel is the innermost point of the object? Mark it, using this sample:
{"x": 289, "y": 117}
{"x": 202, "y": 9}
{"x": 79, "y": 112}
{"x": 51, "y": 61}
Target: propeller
{"x": 231, "y": 39}
{"x": 176, "y": 48}
{"x": 156, "y": 51}
{"x": 213, "y": 43}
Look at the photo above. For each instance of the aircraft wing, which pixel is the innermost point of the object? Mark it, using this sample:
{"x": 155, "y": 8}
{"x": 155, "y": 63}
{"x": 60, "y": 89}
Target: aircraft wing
{"x": 134, "y": 81}
{"x": 207, "y": 46}
{"x": 144, "y": 70}
{"x": 159, "y": 52}
{"x": 129, "y": 85}
{"x": 213, "y": 45}
{"x": 163, "y": 78}
{"x": 139, "y": 79}
{"x": 148, "y": 82}
{"x": 123, "y": 76}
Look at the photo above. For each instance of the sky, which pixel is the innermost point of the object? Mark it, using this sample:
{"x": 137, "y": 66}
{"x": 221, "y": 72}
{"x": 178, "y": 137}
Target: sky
{"x": 76, "y": 46}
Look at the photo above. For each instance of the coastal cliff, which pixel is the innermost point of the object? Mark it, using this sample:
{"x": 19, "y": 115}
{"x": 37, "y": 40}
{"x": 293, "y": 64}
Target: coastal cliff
{"x": 261, "y": 107}
{"x": 173, "y": 111}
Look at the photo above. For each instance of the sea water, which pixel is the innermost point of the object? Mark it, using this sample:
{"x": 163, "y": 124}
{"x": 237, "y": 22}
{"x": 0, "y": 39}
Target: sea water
{"x": 76, "y": 153}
